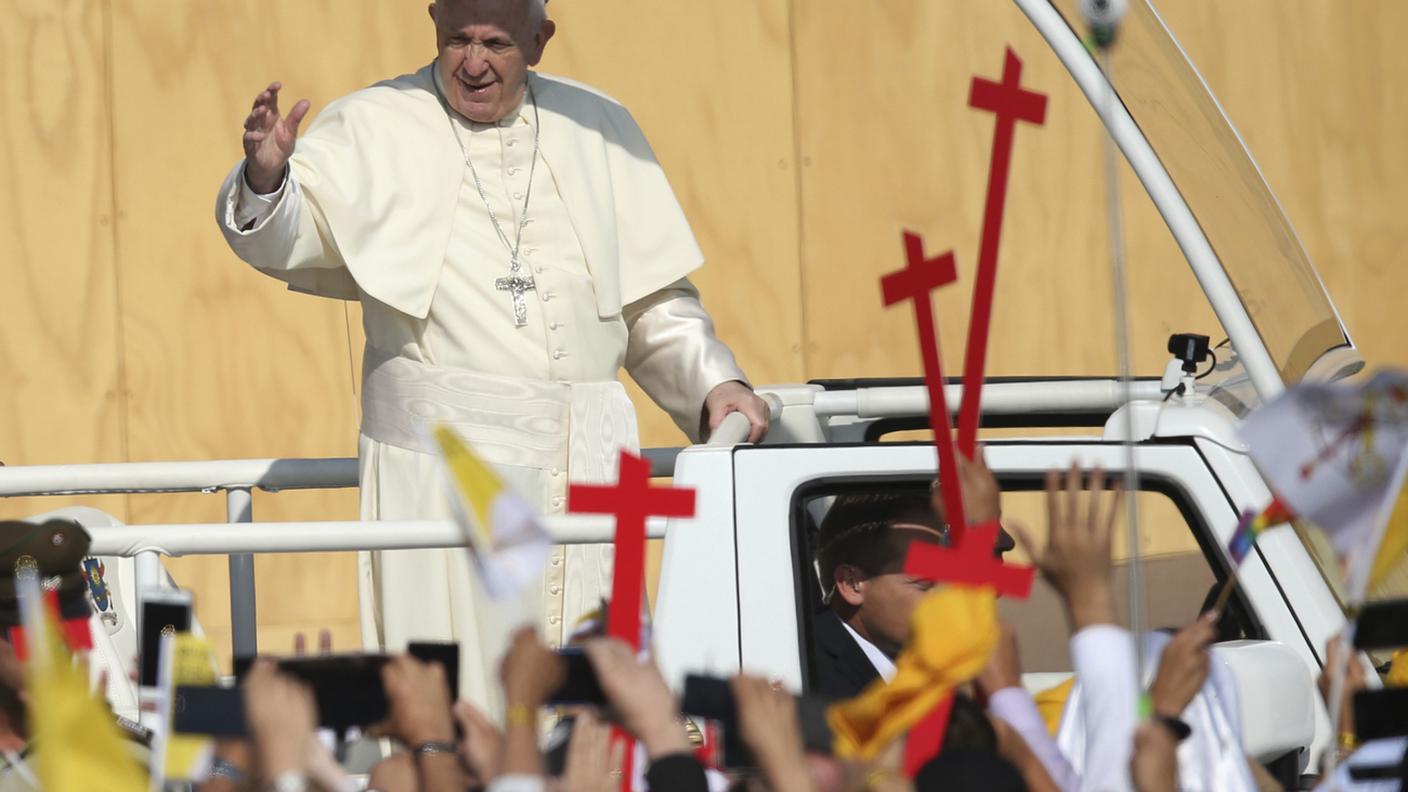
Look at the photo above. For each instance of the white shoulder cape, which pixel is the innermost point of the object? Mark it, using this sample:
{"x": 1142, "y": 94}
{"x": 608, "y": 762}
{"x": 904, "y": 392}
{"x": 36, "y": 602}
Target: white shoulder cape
{"x": 380, "y": 172}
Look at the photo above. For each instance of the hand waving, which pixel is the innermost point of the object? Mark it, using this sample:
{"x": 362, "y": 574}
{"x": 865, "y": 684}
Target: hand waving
{"x": 1076, "y": 559}
{"x": 1183, "y": 668}
{"x": 269, "y": 139}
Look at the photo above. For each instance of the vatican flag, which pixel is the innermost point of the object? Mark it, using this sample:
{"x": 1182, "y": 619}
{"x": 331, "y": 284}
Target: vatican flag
{"x": 505, "y": 537}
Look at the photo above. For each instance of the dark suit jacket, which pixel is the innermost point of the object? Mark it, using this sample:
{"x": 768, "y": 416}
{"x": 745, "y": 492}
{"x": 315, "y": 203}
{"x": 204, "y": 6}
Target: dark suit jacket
{"x": 842, "y": 669}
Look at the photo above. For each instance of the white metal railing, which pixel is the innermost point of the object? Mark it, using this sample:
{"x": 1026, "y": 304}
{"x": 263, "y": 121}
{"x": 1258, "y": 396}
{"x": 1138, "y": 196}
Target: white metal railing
{"x": 998, "y": 398}
{"x": 237, "y": 478}
{"x": 180, "y": 539}
{"x": 240, "y": 537}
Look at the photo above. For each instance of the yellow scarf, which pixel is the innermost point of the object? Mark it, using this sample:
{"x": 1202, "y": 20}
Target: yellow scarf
{"x": 953, "y": 631}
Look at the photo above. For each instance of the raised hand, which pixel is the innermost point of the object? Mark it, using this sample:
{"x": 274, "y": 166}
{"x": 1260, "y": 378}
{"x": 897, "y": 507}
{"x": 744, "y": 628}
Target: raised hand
{"x": 1183, "y": 668}
{"x": 269, "y": 139}
{"x": 420, "y": 701}
{"x": 639, "y": 697}
{"x": 1076, "y": 559}
{"x": 593, "y": 762}
{"x": 481, "y": 745}
{"x": 767, "y": 720}
{"x": 982, "y": 499}
{"x": 282, "y": 718}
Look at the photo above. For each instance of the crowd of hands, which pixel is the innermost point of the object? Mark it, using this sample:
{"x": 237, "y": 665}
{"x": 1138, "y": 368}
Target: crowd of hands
{"x": 1076, "y": 561}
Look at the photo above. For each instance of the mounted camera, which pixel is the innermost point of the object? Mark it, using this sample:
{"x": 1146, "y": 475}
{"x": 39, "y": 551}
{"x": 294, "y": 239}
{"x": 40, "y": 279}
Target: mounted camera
{"x": 1190, "y": 348}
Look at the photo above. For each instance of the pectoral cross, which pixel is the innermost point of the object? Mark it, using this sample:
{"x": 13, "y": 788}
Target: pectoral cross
{"x": 515, "y": 284}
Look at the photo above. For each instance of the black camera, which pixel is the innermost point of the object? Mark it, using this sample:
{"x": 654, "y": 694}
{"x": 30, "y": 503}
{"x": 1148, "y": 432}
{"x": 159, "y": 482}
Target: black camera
{"x": 1190, "y": 348}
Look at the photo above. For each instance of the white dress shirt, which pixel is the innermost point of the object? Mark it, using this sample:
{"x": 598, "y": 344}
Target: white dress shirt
{"x": 883, "y": 664}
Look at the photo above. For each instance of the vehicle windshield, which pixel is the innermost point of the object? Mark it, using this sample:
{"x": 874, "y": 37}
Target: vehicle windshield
{"x": 1245, "y": 225}
{"x": 1228, "y": 196}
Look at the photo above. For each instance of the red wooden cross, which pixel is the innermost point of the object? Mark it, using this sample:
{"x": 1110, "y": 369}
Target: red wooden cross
{"x": 1011, "y": 103}
{"x": 632, "y": 501}
{"x": 969, "y": 559}
{"x": 914, "y": 282}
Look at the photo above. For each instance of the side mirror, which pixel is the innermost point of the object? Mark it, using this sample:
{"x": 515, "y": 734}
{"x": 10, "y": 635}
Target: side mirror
{"x": 1275, "y": 696}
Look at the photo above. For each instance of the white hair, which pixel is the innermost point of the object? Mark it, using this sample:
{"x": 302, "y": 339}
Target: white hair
{"x": 537, "y": 14}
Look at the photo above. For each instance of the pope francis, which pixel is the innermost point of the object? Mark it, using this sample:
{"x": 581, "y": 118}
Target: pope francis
{"x": 513, "y": 243}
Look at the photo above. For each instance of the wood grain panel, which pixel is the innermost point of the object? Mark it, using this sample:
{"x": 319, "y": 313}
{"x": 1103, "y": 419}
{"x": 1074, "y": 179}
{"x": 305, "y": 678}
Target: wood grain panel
{"x": 800, "y": 135}
{"x": 224, "y": 362}
{"x": 711, "y": 86}
{"x": 62, "y": 398}
{"x": 889, "y": 143}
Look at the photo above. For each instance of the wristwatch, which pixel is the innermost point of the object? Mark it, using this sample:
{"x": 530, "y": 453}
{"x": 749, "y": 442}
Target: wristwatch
{"x": 288, "y": 782}
{"x": 1176, "y": 727}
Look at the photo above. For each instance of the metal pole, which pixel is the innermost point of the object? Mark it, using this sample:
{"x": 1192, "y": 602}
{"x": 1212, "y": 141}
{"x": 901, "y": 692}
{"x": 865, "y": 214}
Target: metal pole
{"x": 244, "y": 623}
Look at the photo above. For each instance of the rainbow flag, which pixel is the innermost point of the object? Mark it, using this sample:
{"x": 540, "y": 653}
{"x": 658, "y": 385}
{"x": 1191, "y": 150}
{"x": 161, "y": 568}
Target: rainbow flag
{"x": 1250, "y": 526}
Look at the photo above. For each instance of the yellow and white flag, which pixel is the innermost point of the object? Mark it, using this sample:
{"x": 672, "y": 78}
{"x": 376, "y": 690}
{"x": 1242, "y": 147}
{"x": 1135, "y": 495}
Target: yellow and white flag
{"x": 505, "y": 537}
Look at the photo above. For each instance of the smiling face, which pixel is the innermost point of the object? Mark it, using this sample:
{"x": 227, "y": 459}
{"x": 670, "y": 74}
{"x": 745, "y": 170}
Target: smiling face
{"x": 486, "y": 47}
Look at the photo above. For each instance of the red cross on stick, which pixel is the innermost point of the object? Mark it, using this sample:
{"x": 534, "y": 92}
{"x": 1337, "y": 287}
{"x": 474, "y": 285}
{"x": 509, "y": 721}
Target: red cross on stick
{"x": 631, "y": 501}
{"x": 968, "y": 560}
{"x": 915, "y": 282}
{"x": 1011, "y": 103}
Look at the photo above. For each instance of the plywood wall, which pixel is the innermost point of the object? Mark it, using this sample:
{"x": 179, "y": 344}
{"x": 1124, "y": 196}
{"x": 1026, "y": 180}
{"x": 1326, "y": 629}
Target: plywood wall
{"x": 800, "y": 135}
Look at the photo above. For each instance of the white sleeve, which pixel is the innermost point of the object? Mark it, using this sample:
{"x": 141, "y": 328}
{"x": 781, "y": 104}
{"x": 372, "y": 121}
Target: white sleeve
{"x": 252, "y": 208}
{"x": 1015, "y": 706}
{"x": 1103, "y": 658}
{"x": 673, "y": 353}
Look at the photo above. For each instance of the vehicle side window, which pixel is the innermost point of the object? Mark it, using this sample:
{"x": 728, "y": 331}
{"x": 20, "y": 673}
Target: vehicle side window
{"x": 1179, "y": 579}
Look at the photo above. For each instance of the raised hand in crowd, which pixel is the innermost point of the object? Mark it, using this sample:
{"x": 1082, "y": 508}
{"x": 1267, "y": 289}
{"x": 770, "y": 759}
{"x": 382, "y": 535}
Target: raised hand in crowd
{"x": 1354, "y": 681}
{"x": 982, "y": 498}
{"x": 639, "y": 697}
{"x": 1154, "y": 764}
{"x": 643, "y": 704}
{"x": 481, "y": 743}
{"x": 282, "y": 718}
{"x": 530, "y": 672}
{"x": 1076, "y": 559}
{"x": 767, "y": 719}
{"x": 1183, "y": 667}
{"x": 420, "y": 718}
{"x": 593, "y": 762}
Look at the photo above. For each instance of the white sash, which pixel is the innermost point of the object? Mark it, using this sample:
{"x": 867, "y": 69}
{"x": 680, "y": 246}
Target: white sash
{"x": 579, "y": 426}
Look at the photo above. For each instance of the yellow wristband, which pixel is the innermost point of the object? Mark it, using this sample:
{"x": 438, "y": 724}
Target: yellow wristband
{"x": 521, "y": 715}
{"x": 1347, "y": 739}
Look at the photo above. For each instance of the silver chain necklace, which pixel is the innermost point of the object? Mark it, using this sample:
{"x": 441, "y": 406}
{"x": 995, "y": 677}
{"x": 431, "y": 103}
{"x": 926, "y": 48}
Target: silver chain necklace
{"x": 516, "y": 284}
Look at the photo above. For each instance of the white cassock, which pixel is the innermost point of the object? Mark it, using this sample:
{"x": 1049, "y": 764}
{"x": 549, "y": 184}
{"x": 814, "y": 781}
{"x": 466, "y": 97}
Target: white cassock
{"x": 381, "y": 206}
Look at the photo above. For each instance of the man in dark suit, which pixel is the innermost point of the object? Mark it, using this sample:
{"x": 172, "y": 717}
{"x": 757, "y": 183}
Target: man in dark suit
{"x": 860, "y": 555}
